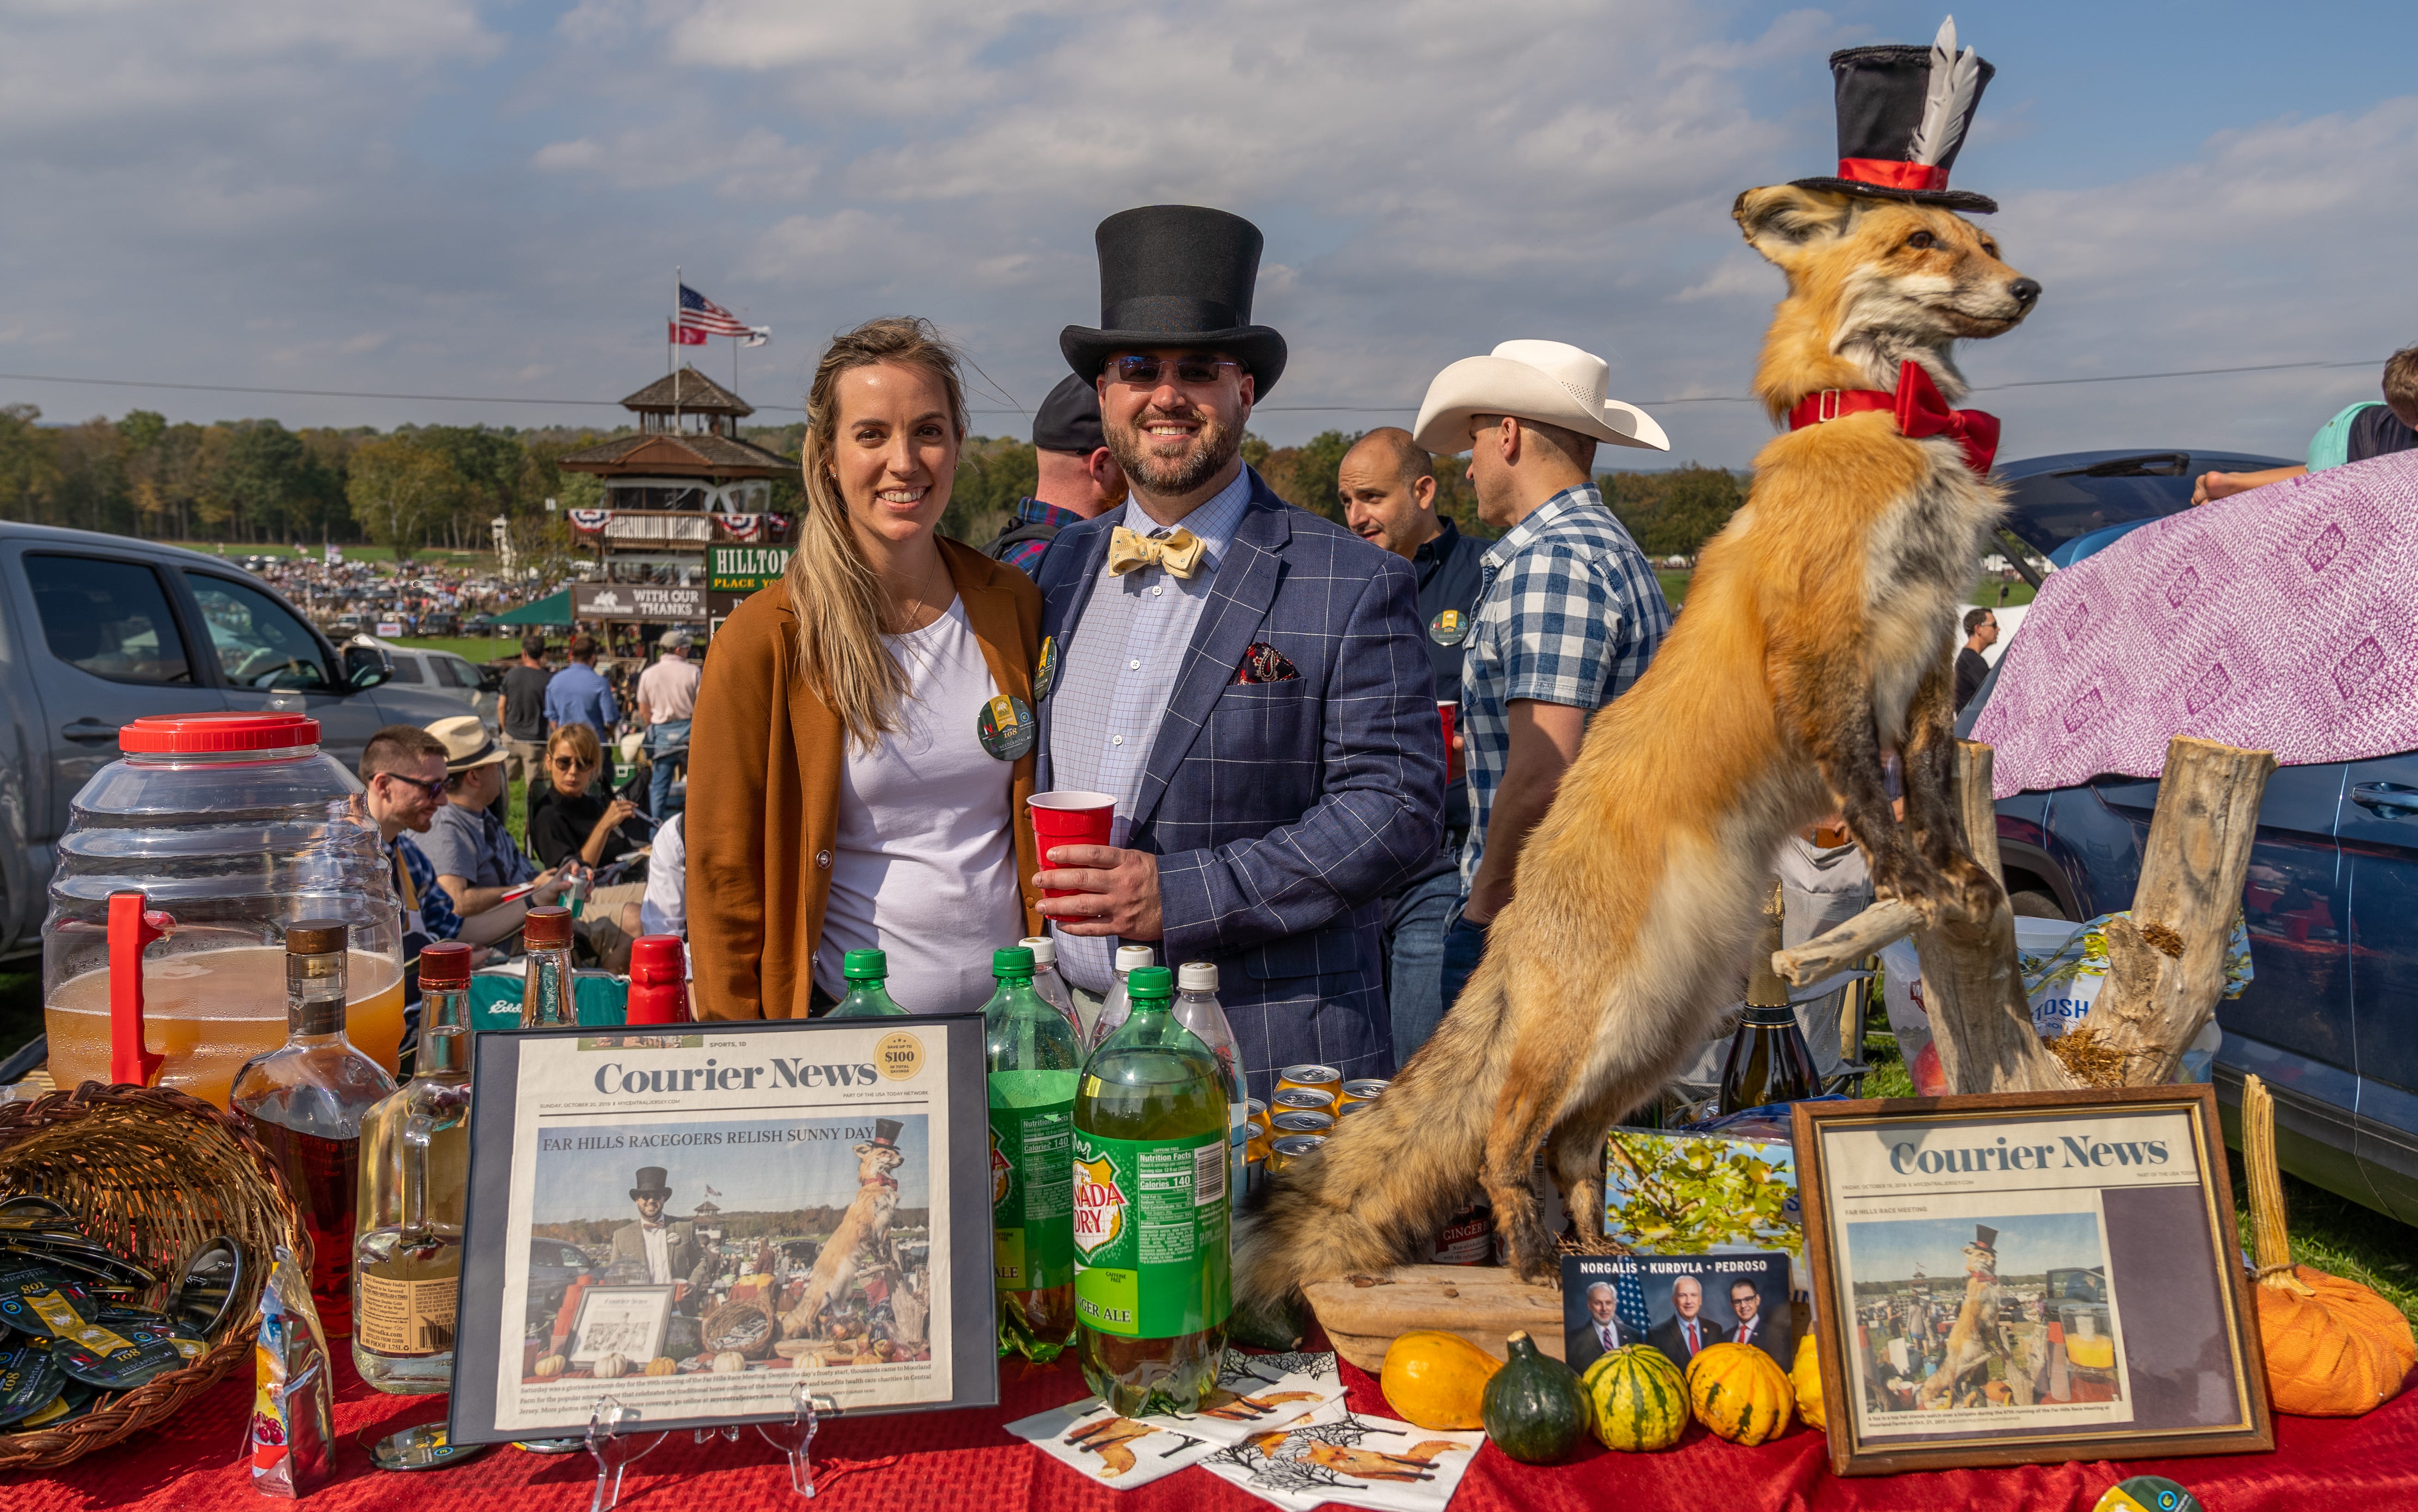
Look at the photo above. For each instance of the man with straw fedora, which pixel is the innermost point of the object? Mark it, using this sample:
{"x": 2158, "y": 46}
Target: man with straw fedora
{"x": 1247, "y": 681}
{"x": 1570, "y": 613}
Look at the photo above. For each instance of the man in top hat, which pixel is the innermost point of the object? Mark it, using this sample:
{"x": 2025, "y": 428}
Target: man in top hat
{"x": 661, "y": 1250}
{"x": 1245, "y": 679}
{"x": 1075, "y": 477}
{"x": 1568, "y": 613}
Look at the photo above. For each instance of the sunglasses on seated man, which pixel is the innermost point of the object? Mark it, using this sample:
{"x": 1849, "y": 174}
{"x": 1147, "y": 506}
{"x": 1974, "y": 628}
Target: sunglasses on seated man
{"x": 1198, "y": 372}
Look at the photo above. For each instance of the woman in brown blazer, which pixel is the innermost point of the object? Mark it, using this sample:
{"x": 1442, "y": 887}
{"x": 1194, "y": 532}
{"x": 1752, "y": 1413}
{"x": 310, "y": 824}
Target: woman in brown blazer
{"x": 856, "y": 771}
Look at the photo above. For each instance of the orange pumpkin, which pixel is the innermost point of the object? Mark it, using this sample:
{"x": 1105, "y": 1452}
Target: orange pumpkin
{"x": 2334, "y": 1347}
{"x": 1741, "y": 1393}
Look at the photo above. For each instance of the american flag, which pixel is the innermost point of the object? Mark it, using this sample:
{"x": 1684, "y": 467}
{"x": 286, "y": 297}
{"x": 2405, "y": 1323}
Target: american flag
{"x": 697, "y": 313}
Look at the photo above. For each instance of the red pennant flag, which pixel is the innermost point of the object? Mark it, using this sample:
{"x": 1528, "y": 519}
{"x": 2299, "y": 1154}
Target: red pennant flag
{"x": 687, "y": 335}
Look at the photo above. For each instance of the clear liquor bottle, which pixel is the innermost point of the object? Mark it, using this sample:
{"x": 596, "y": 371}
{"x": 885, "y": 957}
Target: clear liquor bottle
{"x": 1114, "y": 1007}
{"x": 1196, "y": 1008}
{"x": 1048, "y": 984}
{"x": 415, "y": 1175}
{"x": 1033, "y": 1059}
{"x": 304, "y": 1102}
{"x": 1768, "y": 1062}
{"x": 1153, "y": 1254}
{"x": 547, "y": 999}
{"x": 868, "y": 975}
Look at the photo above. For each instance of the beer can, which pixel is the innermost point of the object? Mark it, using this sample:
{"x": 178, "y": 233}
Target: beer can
{"x": 1256, "y": 1147}
{"x": 1304, "y": 1100}
{"x": 1302, "y": 1120}
{"x": 1325, "y": 1079}
{"x": 1349, "y": 1109}
{"x": 1364, "y": 1090}
{"x": 1467, "y": 1237}
{"x": 1255, "y": 1113}
{"x": 1292, "y": 1150}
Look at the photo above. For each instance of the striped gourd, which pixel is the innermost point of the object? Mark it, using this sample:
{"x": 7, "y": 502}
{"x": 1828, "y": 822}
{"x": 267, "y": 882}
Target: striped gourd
{"x": 1636, "y": 1399}
{"x": 1739, "y": 1393}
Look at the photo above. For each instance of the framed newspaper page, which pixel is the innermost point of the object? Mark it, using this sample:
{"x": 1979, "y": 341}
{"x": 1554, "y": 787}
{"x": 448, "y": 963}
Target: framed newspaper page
{"x": 694, "y": 1219}
{"x": 2017, "y": 1277}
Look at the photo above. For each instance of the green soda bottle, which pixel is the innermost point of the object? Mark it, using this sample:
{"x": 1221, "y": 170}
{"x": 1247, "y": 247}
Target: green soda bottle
{"x": 1030, "y": 1051}
{"x": 865, "y": 970}
{"x": 1154, "y": 1254}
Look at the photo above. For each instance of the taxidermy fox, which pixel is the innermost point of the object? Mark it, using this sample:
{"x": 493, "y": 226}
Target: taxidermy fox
{"x": 1816, "y": 634}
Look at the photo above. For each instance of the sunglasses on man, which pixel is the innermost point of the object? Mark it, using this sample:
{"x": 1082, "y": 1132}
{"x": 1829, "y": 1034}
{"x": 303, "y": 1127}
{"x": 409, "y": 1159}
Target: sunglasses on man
{"x": 434, "y": 788}
{"x": 1192, "y": 371}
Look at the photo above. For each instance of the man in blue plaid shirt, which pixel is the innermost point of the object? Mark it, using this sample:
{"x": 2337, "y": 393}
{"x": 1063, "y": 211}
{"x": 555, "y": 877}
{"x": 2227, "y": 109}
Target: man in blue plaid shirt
{"x": 1570, "y": 612}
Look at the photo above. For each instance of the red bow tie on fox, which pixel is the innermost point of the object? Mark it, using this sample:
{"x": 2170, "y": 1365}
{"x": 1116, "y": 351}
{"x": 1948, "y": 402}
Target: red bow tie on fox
{"x": 1920, "y": 410}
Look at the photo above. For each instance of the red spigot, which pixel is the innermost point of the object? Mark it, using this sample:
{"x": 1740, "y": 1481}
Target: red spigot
{"x": 131, "y": 927}
{"x": 658, "y": 981}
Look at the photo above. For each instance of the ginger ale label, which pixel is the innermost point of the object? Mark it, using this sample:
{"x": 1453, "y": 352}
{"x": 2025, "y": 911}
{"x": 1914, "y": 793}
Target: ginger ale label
{"x": 1151, "y": 1257}
{"x": 1031, "y": 1186}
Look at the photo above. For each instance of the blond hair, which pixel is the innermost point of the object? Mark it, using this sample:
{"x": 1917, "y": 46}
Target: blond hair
{"x": 582, "y": 741}
{"x": 832, "y": 589}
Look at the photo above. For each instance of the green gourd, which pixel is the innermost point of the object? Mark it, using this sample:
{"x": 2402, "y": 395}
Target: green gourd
{"x": 1534, "y": 1408}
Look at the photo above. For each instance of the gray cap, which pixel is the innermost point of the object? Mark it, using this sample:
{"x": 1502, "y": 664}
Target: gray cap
{"x": 679, "y": 637}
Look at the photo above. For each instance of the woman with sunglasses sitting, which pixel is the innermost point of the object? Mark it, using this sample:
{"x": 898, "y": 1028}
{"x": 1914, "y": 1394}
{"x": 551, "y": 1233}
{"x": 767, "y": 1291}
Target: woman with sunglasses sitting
{"x": 864, "y": 736}
{"x": 577, "y": 823}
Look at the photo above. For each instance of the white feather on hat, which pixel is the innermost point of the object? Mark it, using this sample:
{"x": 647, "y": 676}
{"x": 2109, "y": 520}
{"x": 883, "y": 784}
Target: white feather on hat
{"x": 1551, "y": 382}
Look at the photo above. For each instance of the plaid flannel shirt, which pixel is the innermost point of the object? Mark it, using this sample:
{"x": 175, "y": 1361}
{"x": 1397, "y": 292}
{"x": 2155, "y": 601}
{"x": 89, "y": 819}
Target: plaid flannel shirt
{"x": 1571, "y": 614}
{"x": 1026, "y": 555}
{"x": 435, "y": 904}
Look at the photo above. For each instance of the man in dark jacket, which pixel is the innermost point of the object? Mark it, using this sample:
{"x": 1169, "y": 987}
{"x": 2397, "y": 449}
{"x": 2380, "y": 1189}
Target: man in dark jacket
{"x": 1075, "y": 477}
{"x": 1980, "y": 633}
{"x": 1687, "y": 1331}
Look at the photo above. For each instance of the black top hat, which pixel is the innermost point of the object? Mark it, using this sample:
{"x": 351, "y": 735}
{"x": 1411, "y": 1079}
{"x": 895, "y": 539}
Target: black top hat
{"x": 1069, "y": 418}
{"x": 1985, "y": 1237}
{"x": 651, "y": 1183}
{"x": 886, "y": 1132}
{"x": 1177, "y": 275}
{"x": 1903, "y": 115}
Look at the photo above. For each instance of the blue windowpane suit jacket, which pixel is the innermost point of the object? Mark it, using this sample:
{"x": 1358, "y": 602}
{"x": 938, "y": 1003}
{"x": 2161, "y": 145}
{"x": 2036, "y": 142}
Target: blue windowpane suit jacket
{"x": 1284, "y": 812}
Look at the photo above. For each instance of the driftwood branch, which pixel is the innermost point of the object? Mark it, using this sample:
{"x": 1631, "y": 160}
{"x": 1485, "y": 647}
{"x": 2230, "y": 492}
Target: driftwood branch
{"x": 2166, "y": 963}
{"x": 1844, "y": 946}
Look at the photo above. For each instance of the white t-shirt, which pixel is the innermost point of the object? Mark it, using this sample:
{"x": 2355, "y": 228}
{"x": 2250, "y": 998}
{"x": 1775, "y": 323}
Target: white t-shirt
{"x": 924, "y": 866}
{"x": 663, "y": 910}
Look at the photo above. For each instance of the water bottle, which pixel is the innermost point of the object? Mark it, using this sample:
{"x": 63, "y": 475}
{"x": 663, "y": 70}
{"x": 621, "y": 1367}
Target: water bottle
{"x": 1197, "y": 1009}
{"x": 1048, "y": 984}
{"x": 1114, "y": 1008}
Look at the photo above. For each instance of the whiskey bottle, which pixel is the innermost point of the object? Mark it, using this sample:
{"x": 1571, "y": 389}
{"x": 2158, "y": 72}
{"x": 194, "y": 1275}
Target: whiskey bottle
{"x": 415, "y": 1169}
{"x": 1768, "y": 1062}
{"x": 304, "y": 1102}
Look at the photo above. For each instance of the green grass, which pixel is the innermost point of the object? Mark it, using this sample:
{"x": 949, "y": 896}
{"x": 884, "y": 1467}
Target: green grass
{"x": 2329, "y": 1232}
{"x": 1674, "y": 584}
{"x": 469, "y": 648}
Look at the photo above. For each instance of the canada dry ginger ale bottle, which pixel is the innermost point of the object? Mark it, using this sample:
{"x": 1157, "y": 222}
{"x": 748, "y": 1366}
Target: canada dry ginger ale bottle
{"x": 1033, "y": 1061}
{"x": 1153, "y": 1259}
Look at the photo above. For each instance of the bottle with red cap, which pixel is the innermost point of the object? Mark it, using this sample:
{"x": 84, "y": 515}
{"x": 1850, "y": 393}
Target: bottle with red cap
{"x": 182, "y": 865}
{"x": 658, "y": 981}
{"x": 547, "y": 1001}
{"x": 415, "y": 1182}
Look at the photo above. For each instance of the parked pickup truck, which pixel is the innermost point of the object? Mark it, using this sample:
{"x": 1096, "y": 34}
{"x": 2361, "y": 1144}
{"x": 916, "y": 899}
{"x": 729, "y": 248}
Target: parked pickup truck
{"x": 99, "y": 630}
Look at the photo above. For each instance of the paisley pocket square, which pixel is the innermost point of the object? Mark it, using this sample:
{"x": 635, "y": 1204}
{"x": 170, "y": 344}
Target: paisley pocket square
{"x": 1263, "y": 662}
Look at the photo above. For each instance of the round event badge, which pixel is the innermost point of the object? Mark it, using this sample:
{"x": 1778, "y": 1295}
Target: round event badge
{"x": 1044, "y": 676}
{"x": 1005, "y": 727}
{"x": 2147, "y": 1494}
{"x": 30, "y": 1379}
{"x": 1449, "y": 628}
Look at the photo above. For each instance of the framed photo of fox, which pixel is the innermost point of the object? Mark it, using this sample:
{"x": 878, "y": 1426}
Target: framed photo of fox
{"x": 698, "y": 1220}
{"x": 2015, "y": 1277}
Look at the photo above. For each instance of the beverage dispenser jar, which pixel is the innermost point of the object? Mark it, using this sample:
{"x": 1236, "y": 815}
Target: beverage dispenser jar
{"x": 163, "y": 954}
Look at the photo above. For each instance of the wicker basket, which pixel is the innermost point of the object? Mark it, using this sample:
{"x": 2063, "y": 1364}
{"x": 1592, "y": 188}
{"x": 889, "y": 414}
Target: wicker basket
{"x": 154, "y": 1174}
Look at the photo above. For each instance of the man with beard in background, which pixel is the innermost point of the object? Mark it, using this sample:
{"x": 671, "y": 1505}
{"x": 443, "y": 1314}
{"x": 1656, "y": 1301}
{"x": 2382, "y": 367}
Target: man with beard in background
{"x": 1247, "y": 681}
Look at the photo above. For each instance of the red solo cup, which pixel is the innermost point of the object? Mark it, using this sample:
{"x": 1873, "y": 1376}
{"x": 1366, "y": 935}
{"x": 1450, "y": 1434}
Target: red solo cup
{"x": 1069, "y": 819}
{"x": 1448, "y": 710}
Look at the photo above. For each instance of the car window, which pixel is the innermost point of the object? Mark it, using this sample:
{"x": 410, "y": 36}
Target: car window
{"x": 458, "y": 672}
{"x": 258, "y": 642}
{"x": 108, "y": 617}
{"x": 408, "y": 669}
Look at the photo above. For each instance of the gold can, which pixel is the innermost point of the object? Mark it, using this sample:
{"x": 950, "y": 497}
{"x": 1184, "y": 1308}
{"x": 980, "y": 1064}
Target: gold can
{"x": 1349, "y": 1109}
{"x": 1302, "y": 1120}
{"x": 1365, "y": 1089}
{"x": 1256, "y": 1147}
{"x": 1292, "y": 1150}
{"x": 1255, "y": 1113}
{"x": 1325, "y": 1079}
{"x": 1304, "y": 1100}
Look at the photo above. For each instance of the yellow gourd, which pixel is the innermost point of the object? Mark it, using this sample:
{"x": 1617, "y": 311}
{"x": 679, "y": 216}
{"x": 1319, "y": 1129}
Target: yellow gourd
{"x": 1436, "y": 1379}
{"x": 1739, "y": 1393}
{"x": 2334, "y": 1347}
{"x": 663, "y": 1365}
{"x": 552, "y": 1365}
{"x": 1805, "y": 1378}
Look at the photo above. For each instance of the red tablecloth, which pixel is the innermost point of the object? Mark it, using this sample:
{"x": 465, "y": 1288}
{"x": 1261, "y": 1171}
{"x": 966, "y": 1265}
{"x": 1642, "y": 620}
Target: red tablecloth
{"x": 963, "y": 1462}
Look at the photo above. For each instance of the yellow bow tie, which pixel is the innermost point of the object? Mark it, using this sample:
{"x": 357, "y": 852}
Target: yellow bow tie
{"x": 1179, "y": 551}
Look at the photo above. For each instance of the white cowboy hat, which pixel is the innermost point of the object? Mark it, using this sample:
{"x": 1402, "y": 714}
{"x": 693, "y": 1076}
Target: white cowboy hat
{"x": 1548, "y": 381}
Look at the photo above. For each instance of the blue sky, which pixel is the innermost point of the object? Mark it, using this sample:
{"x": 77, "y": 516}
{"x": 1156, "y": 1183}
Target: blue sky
{"x": 2027, "y": 1245}
{"x": 486, "y": 197}
{"x": 595, "y": 1183}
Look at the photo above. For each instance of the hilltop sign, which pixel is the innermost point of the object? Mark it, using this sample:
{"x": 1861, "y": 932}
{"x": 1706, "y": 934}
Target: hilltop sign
{"x": 744, "y": 569}
{"x": 642, "y": 603}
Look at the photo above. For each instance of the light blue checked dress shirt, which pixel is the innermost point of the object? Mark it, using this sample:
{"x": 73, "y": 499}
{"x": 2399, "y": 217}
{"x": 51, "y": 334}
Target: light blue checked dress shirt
{"x": 1570, "y": 613}
{"x": 1113, "y": 689}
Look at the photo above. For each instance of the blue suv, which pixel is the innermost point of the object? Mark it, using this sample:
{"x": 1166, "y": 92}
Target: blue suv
{"x": 2331, "y": 1022}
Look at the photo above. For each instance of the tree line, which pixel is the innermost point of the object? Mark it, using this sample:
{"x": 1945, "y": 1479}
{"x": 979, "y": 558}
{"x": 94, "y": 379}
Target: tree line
{"x": 418, "y": 487}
